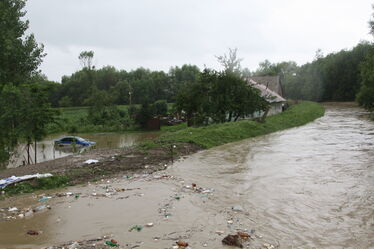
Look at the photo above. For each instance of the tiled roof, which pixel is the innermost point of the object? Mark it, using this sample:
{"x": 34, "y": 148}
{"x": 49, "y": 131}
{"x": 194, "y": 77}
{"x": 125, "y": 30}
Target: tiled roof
{"x": 269, "y": 95}
{"x": 271, "y": 82}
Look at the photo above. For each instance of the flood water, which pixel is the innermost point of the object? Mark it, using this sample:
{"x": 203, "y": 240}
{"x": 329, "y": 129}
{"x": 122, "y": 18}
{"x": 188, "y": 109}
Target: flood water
{"x": 47, "y": 151}
{"x": 306, "y": 187}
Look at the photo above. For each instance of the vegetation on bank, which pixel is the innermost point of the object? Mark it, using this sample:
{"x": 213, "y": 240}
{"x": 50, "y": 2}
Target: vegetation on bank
{"x": 205, "y": 137}
{"x": 52, "y": 182}
{"x": 218, "y": 134}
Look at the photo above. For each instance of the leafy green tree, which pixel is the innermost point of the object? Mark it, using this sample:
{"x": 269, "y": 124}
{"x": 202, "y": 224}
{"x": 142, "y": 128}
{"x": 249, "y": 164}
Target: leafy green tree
{"x": 283, "y": 68}
{"x": 37, "y": 113}
{"x": 24, "y": 116}
{"x": 86, "y": 58}
{"x": 11, "y": 104}
{"x": 24, "y": 112}
{"x": 219, "y": 97}
{"x": 334, "y": 77}
{"x": 365, "y": 96}
{"x": 20, "y": 55}
{"x": 65, "y": 102}
{"x": 160, "y": 107}
{"x": 231, "y": 62}
{"x": 371, "y": 23}
{"x": 179, "y": 78}
{"x": 145, "y": 113}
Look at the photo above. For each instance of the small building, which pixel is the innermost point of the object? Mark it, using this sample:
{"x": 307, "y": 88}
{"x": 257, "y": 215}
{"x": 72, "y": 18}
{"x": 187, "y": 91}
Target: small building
{"x": 276, "y": 101}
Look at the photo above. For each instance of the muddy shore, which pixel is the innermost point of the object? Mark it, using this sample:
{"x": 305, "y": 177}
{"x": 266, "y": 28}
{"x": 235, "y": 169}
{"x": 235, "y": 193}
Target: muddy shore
{"x": 110, "y": 162}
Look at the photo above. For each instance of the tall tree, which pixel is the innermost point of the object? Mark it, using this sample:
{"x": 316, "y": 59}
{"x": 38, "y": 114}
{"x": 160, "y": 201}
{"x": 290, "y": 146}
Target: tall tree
{"x": 365, "y": 96}
{"x": 22, "y": 109}
{"x": 230, "y": 61}
{"x": 86, "y": 58}
{"x": 20, "y": 55}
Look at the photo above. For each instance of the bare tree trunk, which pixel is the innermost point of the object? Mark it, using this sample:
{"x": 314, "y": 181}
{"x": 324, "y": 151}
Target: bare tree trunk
{"x": 265, "y": 115}
{"x": 35, "y": 153}
{"x": 28, "y": 153}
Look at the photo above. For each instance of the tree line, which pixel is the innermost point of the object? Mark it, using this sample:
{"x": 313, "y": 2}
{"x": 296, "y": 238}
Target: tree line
{"x": 335, "y": 77}
{"x": 121, "y": 87}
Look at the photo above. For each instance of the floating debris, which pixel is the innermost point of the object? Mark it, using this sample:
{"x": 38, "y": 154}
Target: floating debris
{"x": 181, "y": 244}
{"x": 237, "y": 208}
{"x": 149, "y": 224}
{"x": 32, "y": 232}
{"x": 136, "y": 227}
{"x": 232, "y": 240}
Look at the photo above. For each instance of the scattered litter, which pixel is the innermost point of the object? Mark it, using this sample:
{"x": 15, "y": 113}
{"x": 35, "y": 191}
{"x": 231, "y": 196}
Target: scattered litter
{"x": 244, "y": 235}
{"x": 96, "y": 243}
{"x": 181, "y": 244}
{"x": 40, "y": 208}
{"x": 14, "y": 179}
{"x": 32, "y": 232}
{"x": 91, "y": 161}
{"x": 74, "y": 245}
{"x": 149, "y": 224}
{"x": 136, "y": 227}
{"x": 45, "y": 198}
{"x": 230, "y": 222}
{"x": 28, "y": 213}
{"x": 112, "y": 243}
{"x": 162, "y": 176}
{"x": 13, "y": 209}
{"x": 268, "y": 246}
{"x": 237, "y": 208}
{"x": 177, "y": 198}
{"x": 232, "y": 240}
{"x": 220, "y": 232}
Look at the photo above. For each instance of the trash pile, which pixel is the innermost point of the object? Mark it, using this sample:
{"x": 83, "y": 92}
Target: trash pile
{"x": 14, "y": 179}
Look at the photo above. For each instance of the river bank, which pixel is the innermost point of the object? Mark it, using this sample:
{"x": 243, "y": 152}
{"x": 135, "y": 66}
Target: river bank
{"x": 305, "y": 187}
{"x": 155, "y": 154}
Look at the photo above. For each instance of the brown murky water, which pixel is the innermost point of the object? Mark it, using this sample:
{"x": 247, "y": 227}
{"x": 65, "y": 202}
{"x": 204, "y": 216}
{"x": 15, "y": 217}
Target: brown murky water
{"x": 307, "y": 187}
{"x": 46, "y": 150}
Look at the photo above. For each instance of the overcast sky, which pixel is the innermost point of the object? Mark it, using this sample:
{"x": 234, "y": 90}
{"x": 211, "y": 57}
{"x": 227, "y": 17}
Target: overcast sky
{"x": 158, "y": 34}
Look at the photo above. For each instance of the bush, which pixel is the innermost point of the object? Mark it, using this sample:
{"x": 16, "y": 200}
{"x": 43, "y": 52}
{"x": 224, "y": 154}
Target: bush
{"x": 160, "y": 108}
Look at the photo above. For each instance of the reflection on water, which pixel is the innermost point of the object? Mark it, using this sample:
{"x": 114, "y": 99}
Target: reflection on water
{"x": 47, "y": 151}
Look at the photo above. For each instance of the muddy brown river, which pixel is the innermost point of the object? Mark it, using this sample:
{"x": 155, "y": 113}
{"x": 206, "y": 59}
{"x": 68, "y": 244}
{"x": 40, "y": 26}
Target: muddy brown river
{"x": 306, "y": 187}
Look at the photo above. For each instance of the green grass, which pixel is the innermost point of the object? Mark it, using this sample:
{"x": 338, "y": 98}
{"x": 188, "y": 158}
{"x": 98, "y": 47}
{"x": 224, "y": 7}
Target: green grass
{"x": 218, "y": 134}
{"x": 73, "y": 120}
{"x": 37, "y": 184}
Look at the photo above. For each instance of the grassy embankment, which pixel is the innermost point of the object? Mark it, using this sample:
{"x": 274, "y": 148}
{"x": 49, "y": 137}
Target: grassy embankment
{"x": 218, "y": 134}
{"x": 205, "y": 137}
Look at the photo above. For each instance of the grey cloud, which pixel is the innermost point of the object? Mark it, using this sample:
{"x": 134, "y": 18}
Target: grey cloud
{"x": 164, "y": 33}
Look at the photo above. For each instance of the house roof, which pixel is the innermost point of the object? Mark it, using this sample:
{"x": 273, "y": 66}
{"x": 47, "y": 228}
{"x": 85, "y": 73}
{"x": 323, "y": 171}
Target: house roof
{"x": 269, "y": 95}
{"x": 271, "y": 82}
